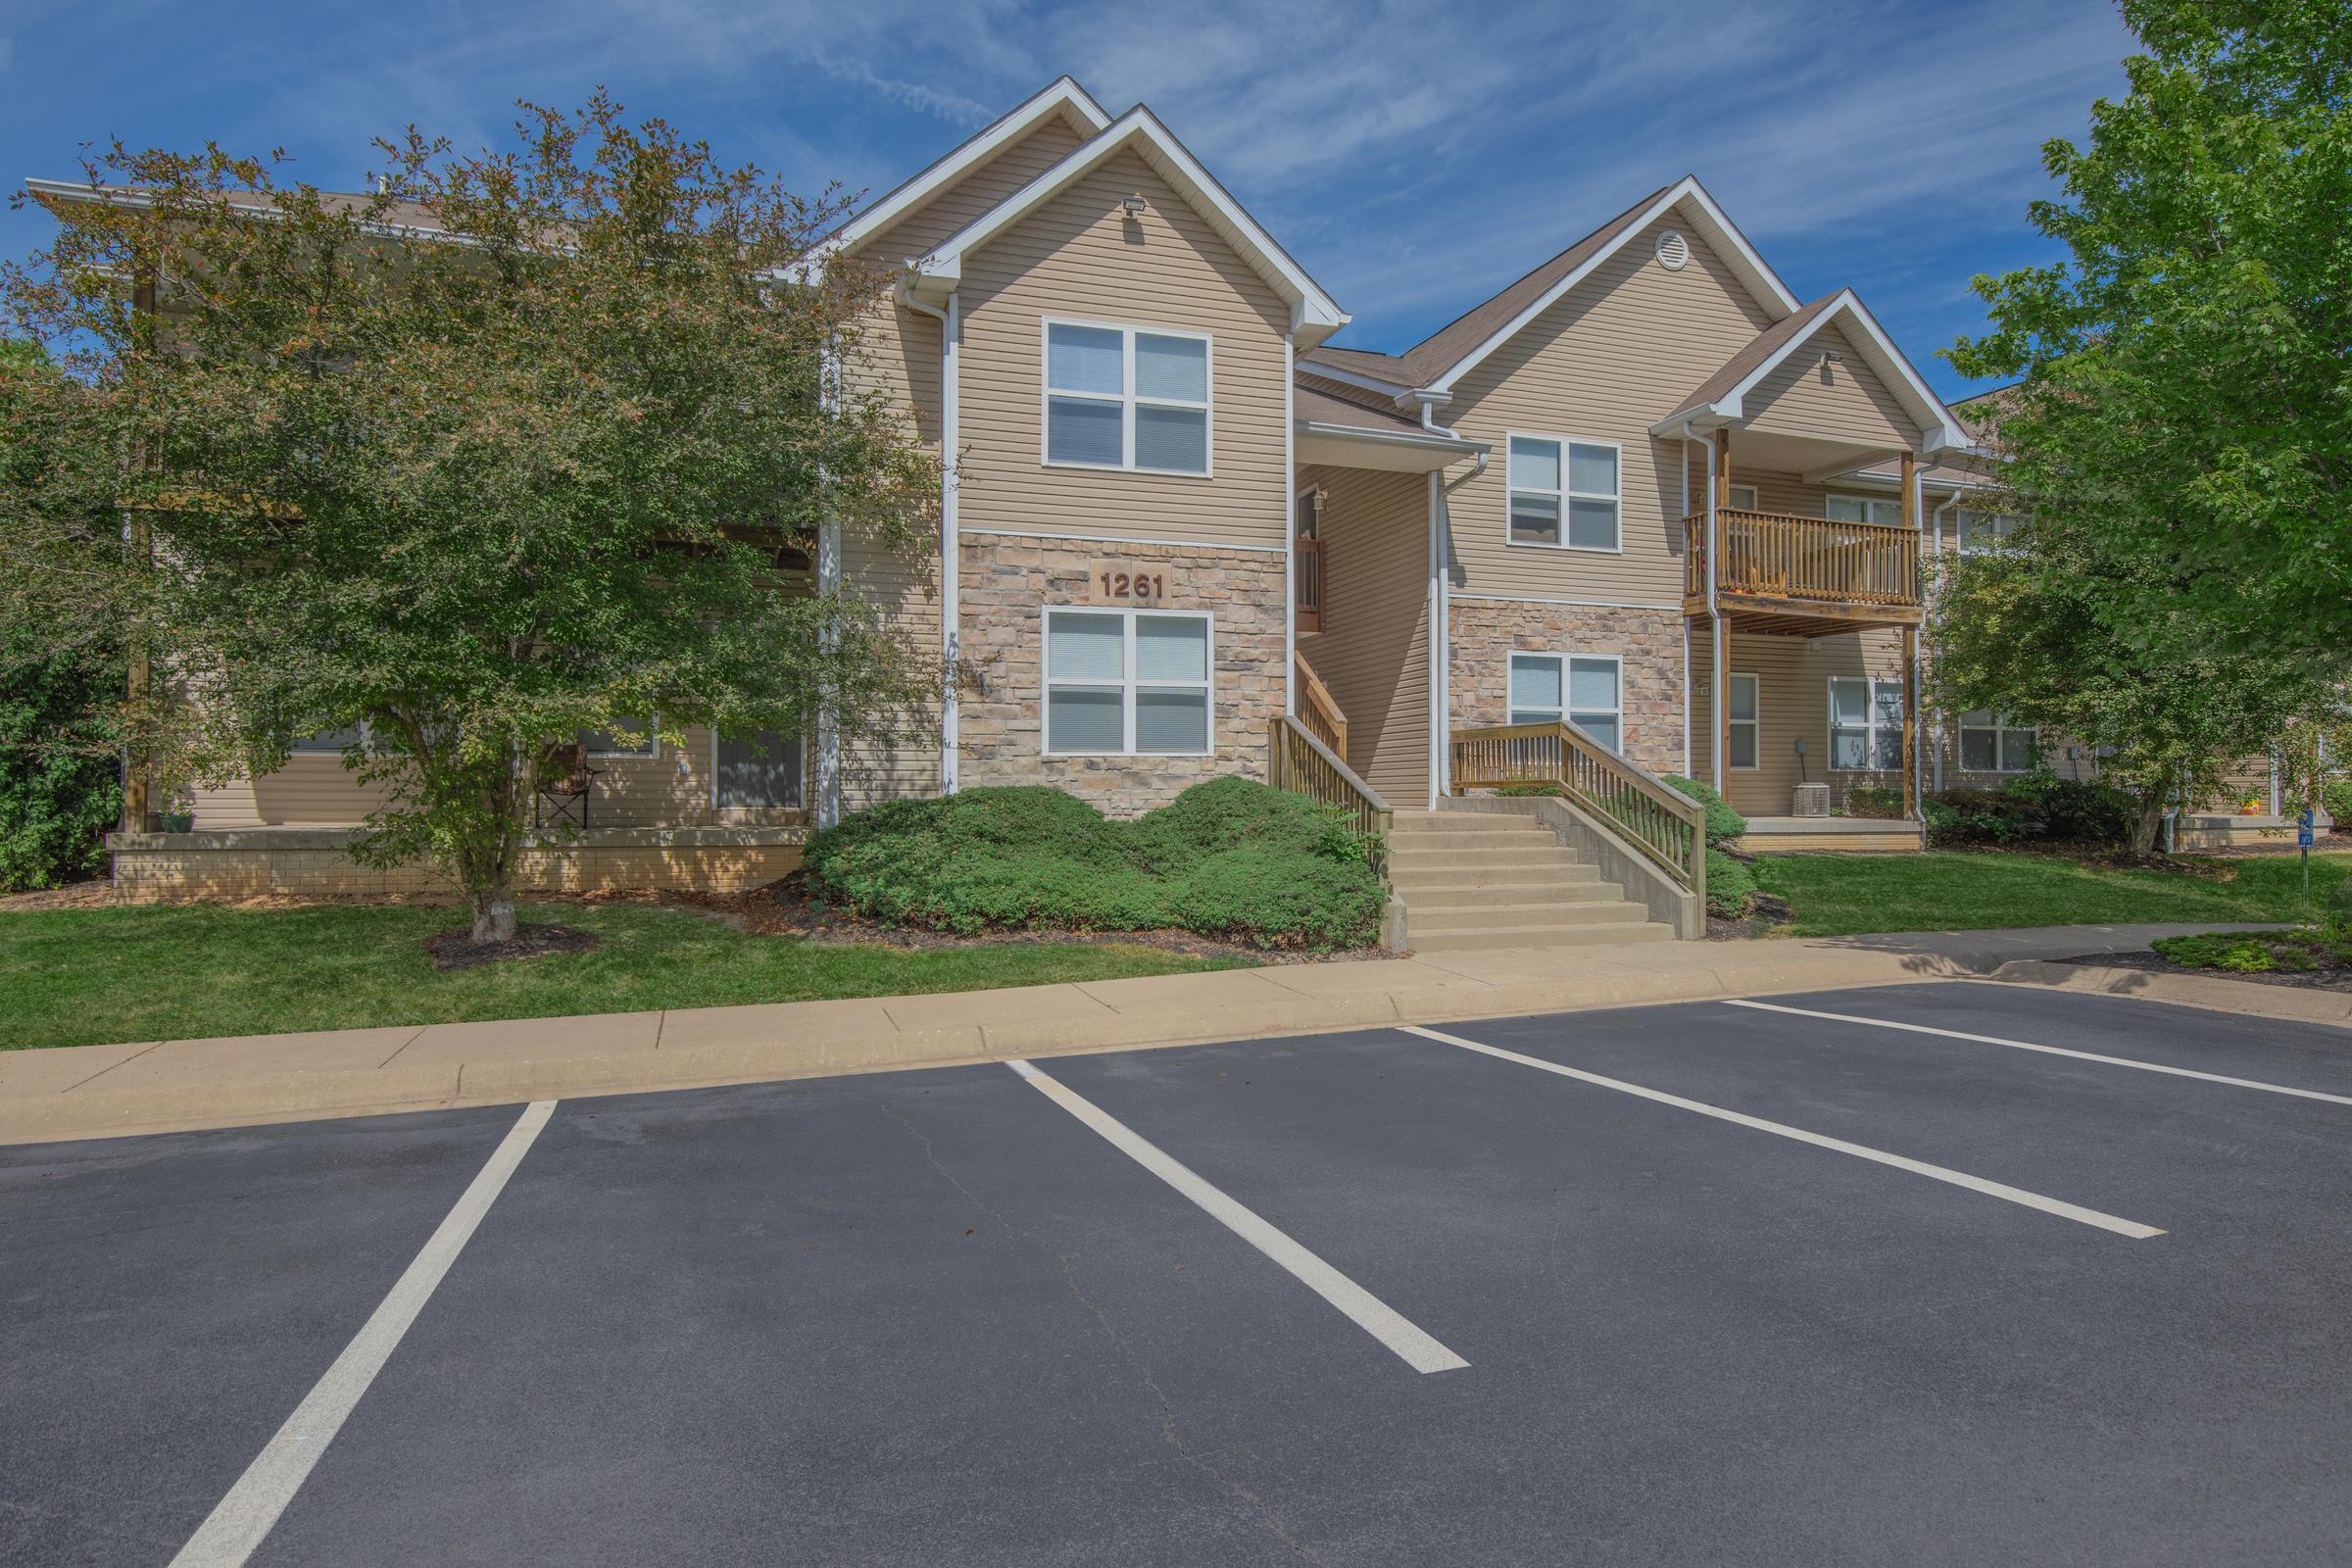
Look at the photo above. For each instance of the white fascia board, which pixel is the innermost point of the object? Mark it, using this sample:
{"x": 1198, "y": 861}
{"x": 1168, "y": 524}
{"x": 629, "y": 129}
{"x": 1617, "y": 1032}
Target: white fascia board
{"x": 1719, "y": 231}
{"x": 1394, "y": 437}
{"x": 1062, "y": 96}
{"x": 69, "y": 190}
{"x": 1396, "y": 391}
{"x": 1942, "y": 428}
{"x": 1314, "y": 314}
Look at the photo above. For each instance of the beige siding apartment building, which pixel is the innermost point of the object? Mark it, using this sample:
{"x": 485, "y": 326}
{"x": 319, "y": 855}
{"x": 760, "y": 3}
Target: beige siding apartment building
{"x": 1644, "y": 490}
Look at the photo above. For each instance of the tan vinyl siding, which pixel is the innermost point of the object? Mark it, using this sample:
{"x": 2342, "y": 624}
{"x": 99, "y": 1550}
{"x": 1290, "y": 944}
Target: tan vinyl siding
{"x": 1374, "y": 651}
{"x": 970, "y": 198}
{"x": 1843, "y": 401}
{"x": 1623, "y": 348}
{"x": 1792, "y": 702}
{"x": 1078, "y": 256}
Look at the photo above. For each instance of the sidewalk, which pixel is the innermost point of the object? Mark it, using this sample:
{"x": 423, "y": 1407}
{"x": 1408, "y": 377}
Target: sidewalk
{"x": 160, "y": 1085}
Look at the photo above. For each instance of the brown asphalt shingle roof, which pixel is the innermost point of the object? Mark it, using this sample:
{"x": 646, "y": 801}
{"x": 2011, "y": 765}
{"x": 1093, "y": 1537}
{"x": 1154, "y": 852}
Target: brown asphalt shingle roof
{"x": 1758, "y": 349}
{"x": 1322, "y": 404}
{"x": 1449, "y": 344}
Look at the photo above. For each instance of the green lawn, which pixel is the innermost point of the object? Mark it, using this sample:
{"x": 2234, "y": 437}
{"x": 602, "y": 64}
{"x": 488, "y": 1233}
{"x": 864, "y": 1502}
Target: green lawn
{"x": 1957, "y": 889}
{"x": 72, "y": 977}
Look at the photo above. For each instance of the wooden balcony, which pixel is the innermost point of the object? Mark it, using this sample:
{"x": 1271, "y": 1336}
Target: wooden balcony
{"x": 1802, "y": 576}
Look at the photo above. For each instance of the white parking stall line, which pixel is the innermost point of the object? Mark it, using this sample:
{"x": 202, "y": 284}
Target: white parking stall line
{"x": 1374, "y": 1316}
{"x": 2051, "y": 1050}
{"x": 1943, "y": 1173}
{"x": 239, "y": 1523}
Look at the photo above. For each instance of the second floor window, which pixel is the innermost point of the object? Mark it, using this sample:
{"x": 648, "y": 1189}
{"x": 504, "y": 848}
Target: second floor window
{"x": 1562, "y": 493}
{"x": 1863, "y": 509}
{"x": 1983, "y": 531}
{"x": 1123, "y": 397}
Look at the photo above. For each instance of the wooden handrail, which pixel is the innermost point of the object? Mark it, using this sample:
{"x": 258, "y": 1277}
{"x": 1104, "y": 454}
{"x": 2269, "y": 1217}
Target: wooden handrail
{"x": 1318, "y": 710}
{"x": 1770, "y": 553}
{"x": 1299, "y": 763}
{"x": 1660, "y": 820}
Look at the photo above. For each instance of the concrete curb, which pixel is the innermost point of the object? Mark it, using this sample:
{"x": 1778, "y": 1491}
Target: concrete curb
{"x": 2248, "y": 996}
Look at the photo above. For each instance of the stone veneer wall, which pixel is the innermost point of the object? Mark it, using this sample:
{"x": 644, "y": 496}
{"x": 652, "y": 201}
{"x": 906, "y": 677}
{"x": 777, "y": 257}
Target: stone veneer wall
{"x": 310, "y": 863}
{"x": 1008, "y": 580}
{"x": 1649, "y": 642}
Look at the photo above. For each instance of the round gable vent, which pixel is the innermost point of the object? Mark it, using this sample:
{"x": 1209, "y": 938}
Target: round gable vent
{"x": 1674, "y": 251}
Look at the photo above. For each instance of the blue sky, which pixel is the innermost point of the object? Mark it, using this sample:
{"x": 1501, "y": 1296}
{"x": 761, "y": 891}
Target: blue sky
{"x": 1415, "y": 157}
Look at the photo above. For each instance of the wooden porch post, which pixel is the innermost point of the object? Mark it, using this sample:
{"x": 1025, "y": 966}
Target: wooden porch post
{"x": 1910, "y": 481}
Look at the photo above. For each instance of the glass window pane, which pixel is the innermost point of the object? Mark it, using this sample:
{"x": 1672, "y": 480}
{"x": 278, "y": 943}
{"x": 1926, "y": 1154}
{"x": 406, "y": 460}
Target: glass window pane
{"x": 1085, "y": 718}
{"x": 1171, "y": 367}
{"x": 1535, "y": 519}
{"x": 1083, "y": 432}
{"x": 1085, "y": 359}
{"x": 1535, "y": 463}
{"x": 1843, "y": 509}
{"x": 1742, "y": 497}
{"x": 1978, "y": 751}
{"x": 1890, "y": 748}
{"x": 1593, "y": 470}
{"x": 328, "y": 740}
{"x": 2017, "y": 750}
{"x": 638, "y": 742}
{"x": 1171, "y": 648}
{"x": 1848, "y": 704}
{"x": 1744, "y": 698}
{"x": 1890, "y": 696}
{"x": 1536, "y": 684}
{"x": 1602, "y": 727}
{"x": 1171, "y": 438}
{"x": 1592, "y": 684}
{"x": 1171, "y": 720}
{"x": 1980, "y": 719}
{"x": 1086, "y": 647}
{"x": 1593, "y": 524}
{"x": 1849, "y": 749}
{"x": 761, "y": 770}
{"x": 1741, "y": 752}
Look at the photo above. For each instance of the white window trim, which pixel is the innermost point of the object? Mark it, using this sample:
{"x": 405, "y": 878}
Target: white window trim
{"x": 1756, "y": 723}
{"x": 1126, "y": 398}
{"x": 2001, "y": 729}
{"x": 1568, "y": 708}
{"x": 1128, "y": 683}
{"x": 1869, "y": 505}
{"x": 653, "y": 736}
{"x": 1960, "y": 516}
{"x": 1564, "y": 494}
{"x": 1869, "y": 722}
{"x": 299, "y": 750}
{"x": 804, "y": 790}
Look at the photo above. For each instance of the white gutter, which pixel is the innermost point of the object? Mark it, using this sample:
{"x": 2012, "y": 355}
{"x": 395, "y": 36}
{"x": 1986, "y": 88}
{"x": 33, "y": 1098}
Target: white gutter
{"x": 1290, "y": 529}
{"x": 1440, "y": 564}
{"x": 950, "y": 548}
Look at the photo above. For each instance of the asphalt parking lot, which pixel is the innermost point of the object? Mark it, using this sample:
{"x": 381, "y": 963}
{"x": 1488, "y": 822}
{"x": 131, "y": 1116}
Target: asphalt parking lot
{"x": 1709, "y": 1283}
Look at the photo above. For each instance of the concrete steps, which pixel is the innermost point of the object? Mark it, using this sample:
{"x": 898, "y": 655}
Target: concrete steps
{"x": 1474, "y": 882}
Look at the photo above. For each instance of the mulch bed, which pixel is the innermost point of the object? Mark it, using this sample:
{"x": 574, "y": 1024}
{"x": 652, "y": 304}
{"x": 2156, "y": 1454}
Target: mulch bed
{"x": 1765, "y": 916}
{"x": 2158, "y": 963}
{"x": 456, "y": 949}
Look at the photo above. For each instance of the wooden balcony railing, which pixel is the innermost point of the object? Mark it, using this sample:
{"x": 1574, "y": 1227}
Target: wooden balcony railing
{"x": 1319, "y": 710}
{"x": 1662, "y": 823}
{"x": 1768, "y": 555}
{"x": 1306, "y": 581}
{"x": 1299, "y": 763}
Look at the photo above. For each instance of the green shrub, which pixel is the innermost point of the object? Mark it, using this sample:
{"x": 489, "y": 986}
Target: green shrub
{"x": 1731, "y": 886}
{"x": 2339, "y": 910}
{"x": 1523, "y": 790}
{"x": 1723, "y": 823}
{"x": 2240, "y": 955}
{"x": 2336, "y": 796}
{"x": 1229, "y": 859}
{"x": 59, "y": 791}
{"x": 1874, "y": 801}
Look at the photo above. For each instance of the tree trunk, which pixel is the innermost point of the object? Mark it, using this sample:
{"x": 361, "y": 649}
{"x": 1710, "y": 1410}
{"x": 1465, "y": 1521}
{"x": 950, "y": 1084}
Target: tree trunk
{"x": 494, "y": 914}
{"x": 2147, "y": 820}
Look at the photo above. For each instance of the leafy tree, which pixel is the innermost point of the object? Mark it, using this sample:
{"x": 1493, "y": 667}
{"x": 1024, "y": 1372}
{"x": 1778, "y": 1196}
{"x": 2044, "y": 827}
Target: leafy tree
{"x": 60, "y": 787}
{"x": 2186, "y": 389}
{"x": 2030, "y": 630}
{"x": 531, "y": 442}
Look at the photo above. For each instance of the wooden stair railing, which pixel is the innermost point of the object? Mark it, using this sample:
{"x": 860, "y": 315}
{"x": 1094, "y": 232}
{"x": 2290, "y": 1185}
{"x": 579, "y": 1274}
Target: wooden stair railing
{"x": 1319, "y": 710}
{"x": 1659, "y": 820}
{"x": 1303, "y": 764}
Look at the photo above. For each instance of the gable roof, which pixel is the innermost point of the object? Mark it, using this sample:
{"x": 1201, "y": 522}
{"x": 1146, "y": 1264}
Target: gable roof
{"x": 1062, "y": 96}
{"x": 1314, "y": 314}
{"x": 1441, "y": 359}
{"x": 1722, "y": 398}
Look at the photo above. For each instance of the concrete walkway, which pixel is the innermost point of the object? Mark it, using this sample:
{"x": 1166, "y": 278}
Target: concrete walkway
{"x": 158, "y": 1086}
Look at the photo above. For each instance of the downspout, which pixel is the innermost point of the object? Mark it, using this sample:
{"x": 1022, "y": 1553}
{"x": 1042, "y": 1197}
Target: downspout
{"x": 1290, "y": 528}
{"x": 1719, "y": 660}
{"x": 951, "y": 550}
{"x": 1441, "y": 566}
{"x": 1682, "y": 446}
